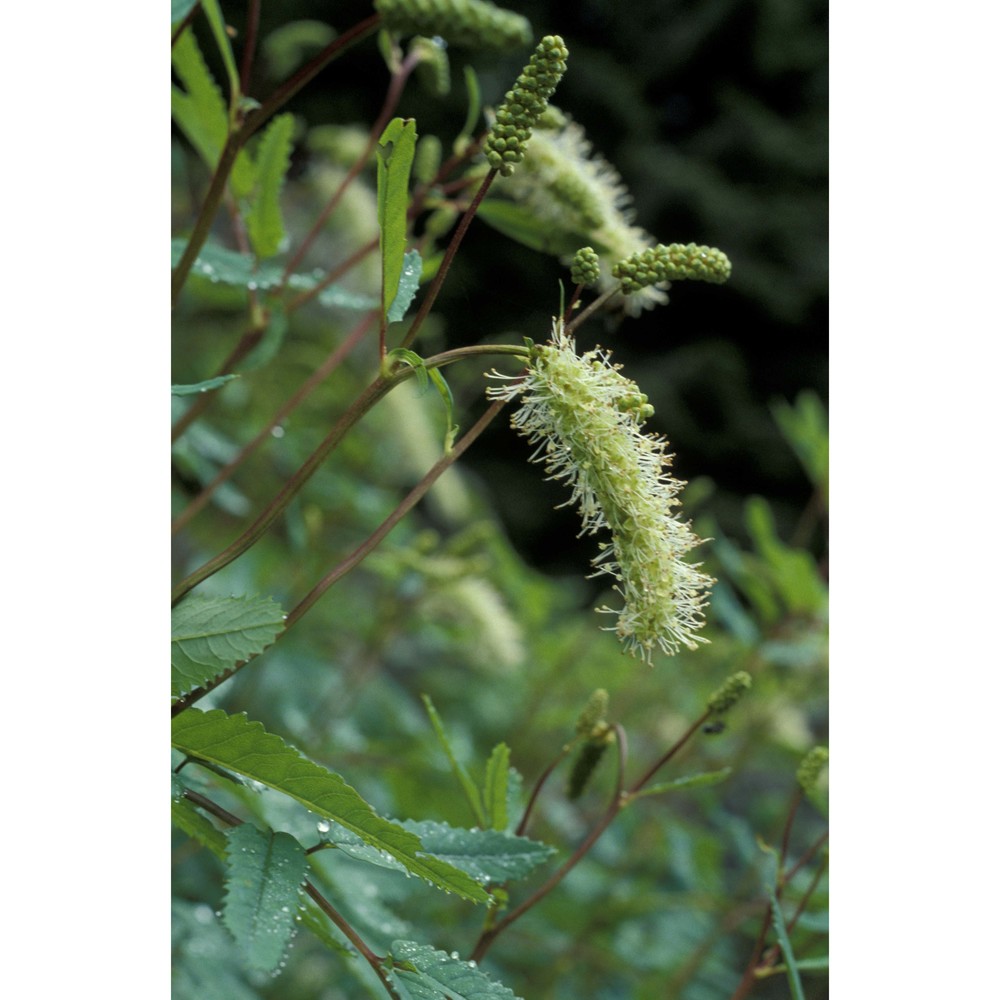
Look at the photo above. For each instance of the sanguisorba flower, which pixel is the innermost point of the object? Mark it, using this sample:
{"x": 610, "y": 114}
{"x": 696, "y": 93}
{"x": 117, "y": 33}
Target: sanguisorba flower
{"x": 586, "y": 419}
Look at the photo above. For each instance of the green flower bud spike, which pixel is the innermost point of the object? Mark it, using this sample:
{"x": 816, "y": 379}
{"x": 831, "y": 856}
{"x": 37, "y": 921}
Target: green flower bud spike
{"x": 593, "y": 713}
{"x": 589, "y": 757}
{"x": 525, "y": 104}
{"x": 675, "y": 262}
{"x": 730, "y": 693}
{"x": 811, "y": 768}
{"x": 474, "y": 24}
{"x": 433, "y": 70}
{"x": 586, "y": 267}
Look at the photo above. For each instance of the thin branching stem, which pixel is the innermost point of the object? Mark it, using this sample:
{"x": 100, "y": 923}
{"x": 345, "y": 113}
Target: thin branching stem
{"x": 249, "y": 44}
{"x": 365, "y": 401}
{"x": 449, "y": 256}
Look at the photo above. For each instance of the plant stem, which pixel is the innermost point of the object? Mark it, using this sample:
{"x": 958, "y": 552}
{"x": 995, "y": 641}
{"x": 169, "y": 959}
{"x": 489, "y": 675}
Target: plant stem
{"x": 368, "y": 398}
{"x": 449, "y": 256}
{"x": 249, "y": 45}
{"x": 409, "y": 502}
{"x": 239, "y": 138}
{"x": 318, "y": 376}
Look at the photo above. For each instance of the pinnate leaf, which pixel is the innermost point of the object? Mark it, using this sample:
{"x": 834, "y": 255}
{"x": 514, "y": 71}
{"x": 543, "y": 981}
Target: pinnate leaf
{"x": 264, "y": 874}
{"x": 496, "y": 786}
{"x": 396, "y": 148}
{"x": 209, "y": 635}
{"x": 421, "y": 972}
{"x": 245, "y": 747}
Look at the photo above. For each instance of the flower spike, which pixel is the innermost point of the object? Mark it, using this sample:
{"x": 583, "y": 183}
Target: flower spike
{"x": 586, "y": 420}
{"x": 474, "y": 24}
{"x": 524, "y": 105}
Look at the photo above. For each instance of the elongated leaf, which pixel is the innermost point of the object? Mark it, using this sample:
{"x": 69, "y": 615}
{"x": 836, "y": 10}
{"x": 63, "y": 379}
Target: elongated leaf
{"x": 199, "y": 109}
{"x": 274, "y": 154}
{"x": 186, "y": 817}
{"x": 206, "y": 386}
{"x": 689, "y": 781}
{"x": 468, "y": 785}
{"x": 444, "y": 391}
{"x": 236, "y": 743}
{"x": 264, "y": 875}
{"x": 495, "y": 787}
{"x": 487, "y": 855}
{"x": 420, "y": 972}
{"x": 794, "y": 980}
{"x": 211, "y": 634}
{"x": 214, "y": 15}
{"x": 228, "y": 267}
{"x": 409, "y": 282}
{"x": 527, "y": 227}
{"x": 396, "y": 147}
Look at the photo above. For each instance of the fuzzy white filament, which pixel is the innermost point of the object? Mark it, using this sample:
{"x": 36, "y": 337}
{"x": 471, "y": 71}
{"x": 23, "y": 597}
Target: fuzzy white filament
{"x": 586, "y": 420}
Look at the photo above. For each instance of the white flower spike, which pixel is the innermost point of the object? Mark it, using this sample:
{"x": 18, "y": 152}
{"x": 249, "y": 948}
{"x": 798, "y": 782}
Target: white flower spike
{"x": 586, "y": 420}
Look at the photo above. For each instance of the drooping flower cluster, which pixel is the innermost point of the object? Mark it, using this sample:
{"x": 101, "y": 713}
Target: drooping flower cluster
{"x": 676, "y": 262}
{"x": 586, "y": 419}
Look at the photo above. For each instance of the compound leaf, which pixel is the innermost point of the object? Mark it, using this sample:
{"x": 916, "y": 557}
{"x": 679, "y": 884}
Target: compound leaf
{"x": 209, "y": 635}
{"x": 264, "y": 873}
{"x": 237, "y": 744}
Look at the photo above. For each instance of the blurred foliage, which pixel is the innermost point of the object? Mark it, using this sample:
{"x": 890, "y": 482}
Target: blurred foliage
{"x": 713, "y": 111}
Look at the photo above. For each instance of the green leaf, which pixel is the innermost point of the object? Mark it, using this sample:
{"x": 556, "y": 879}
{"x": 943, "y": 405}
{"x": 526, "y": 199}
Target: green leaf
{"x": 487, "y": 855}
{"x": 200, "y": 113}
{"x": 228, "y": 267}
{"x": 471, "y": 125}
{"x": 287, "y": 47}
{"x": 264, "y": 875}
{"x": 420, "y": 972}
{"x": 273, "y": 156}
{"x": 179, "y": 9}
{"x": 186, "y": 817}
{"x": 526, "y": 226}
{"x": 214, "y": 15}
{"x": 236, "y": 743}
{"x": 409, "y": 282}
{"x": 805, "y": 427}
{"x": 206, "y": 386}
{"x": 444, "y": 391}
{"x": 468, "y": 785}
{"x": 209, "y": 635}
{"x": 495, "y": 787}
{"x": 794, "y": 980}
{"x": 199, "y": 110}
{"x": 395, "y": 158}
{"x": 690, "y": 781}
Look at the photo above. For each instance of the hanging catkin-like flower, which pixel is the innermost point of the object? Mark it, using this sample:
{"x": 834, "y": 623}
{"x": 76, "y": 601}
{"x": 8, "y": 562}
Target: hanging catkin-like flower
{"x": 586, "y": 419}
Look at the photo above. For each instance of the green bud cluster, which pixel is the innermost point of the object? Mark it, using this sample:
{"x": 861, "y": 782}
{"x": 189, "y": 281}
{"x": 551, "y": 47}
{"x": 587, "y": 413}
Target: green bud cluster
{"x": 586, "y": 762}
{"x": 730, "y": 693}
{"x": 427, "y": 159}
{"x": 433, "y": 70}
{"x": 474, "y": 24}
{"x": 586, "y": 267}
{"x": 672, "y": 263}
{"x": 524, "y": 105}
{"x": 811, "y": 767}
{"x": 593, "y": 713}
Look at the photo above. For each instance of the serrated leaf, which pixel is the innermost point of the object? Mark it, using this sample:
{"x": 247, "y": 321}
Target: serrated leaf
{"x": 206, "y": 386}
{"x": 264, "y": 875}
{"x": 495, "y": 787}
{"x": 424, "y": 973}
{"x": 486, "y": 855}
{"x": 186, "y": 817}
{"x": 396, "y": 148}
{"x": 209, "y": 635}
{"x": 271, "y": 162}
{"x": 702, "y": 780}
{"x": 409, "y": 281}
{"x": 236, "y": 743}
{"x": 458, "y": 769}
{"x": 201, "y": 114}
